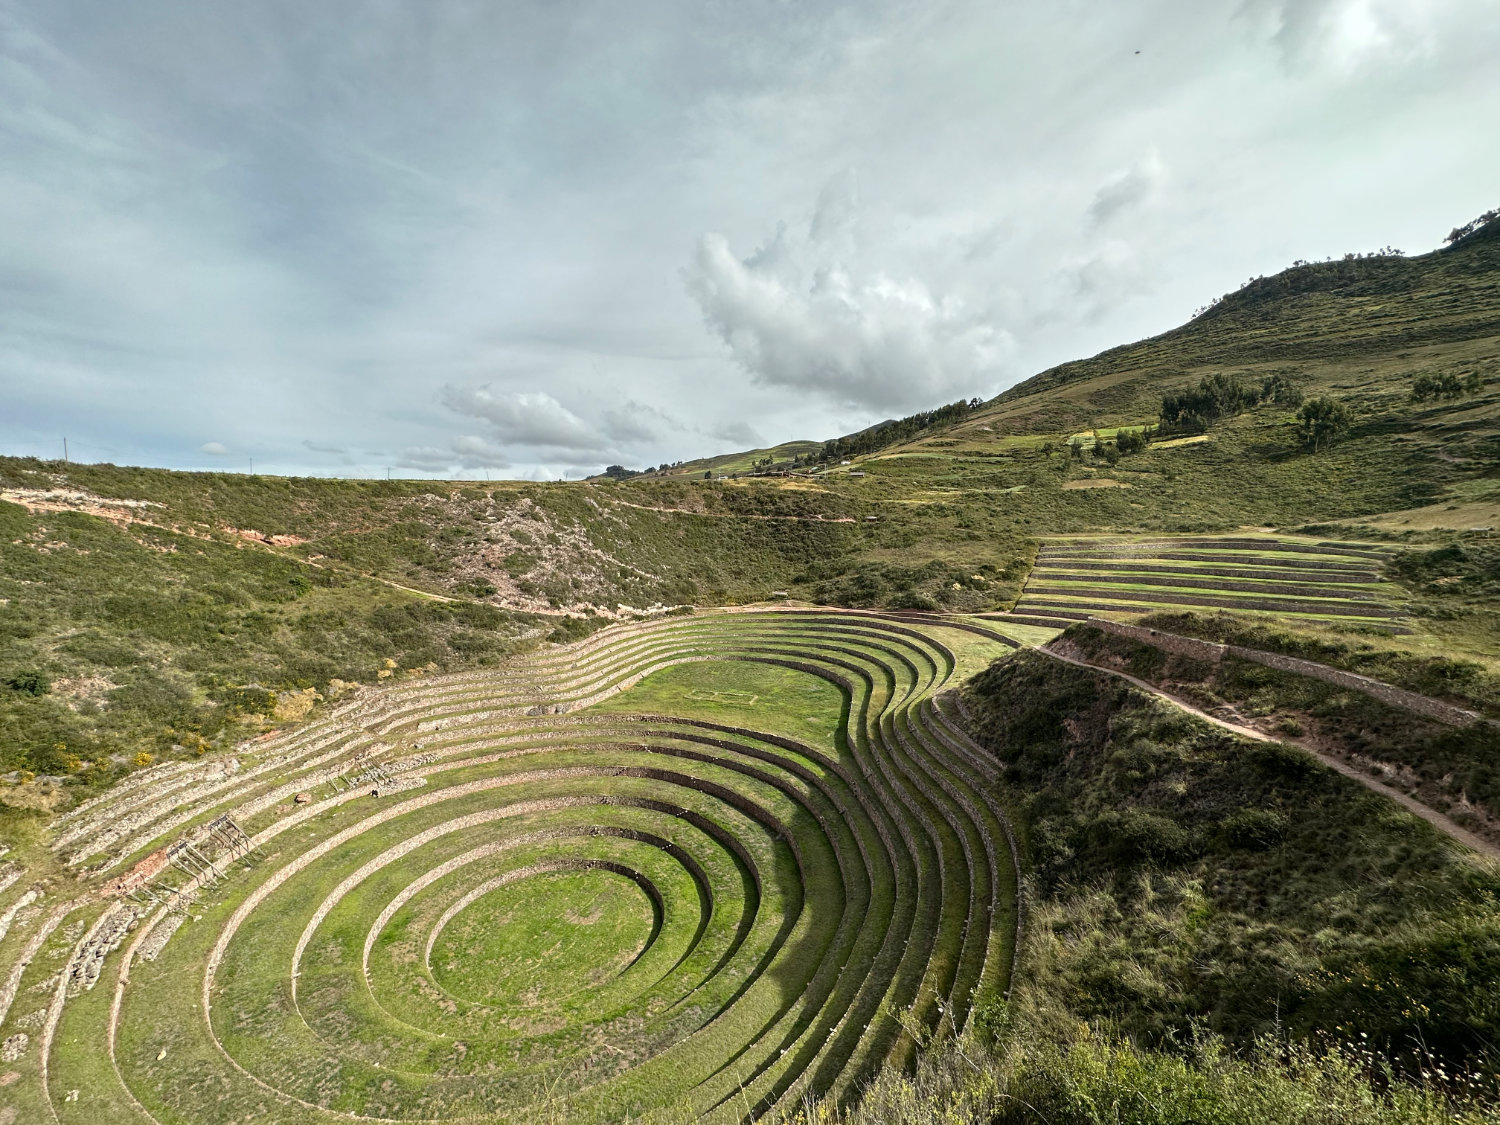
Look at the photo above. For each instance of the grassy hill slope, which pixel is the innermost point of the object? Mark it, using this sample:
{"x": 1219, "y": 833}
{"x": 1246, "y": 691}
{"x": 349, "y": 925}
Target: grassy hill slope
{"x": 205, "y": 598}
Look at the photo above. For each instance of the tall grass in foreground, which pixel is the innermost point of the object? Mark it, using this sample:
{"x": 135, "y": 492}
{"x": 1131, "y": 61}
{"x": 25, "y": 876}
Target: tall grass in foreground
{"x": 1097, "y": 1079}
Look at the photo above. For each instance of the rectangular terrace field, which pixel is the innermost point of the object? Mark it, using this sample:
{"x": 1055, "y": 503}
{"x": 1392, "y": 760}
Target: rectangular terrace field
{"x": 1301, "y": 579}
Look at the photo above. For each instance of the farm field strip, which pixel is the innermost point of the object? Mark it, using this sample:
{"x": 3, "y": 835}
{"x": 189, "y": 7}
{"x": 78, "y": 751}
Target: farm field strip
{"x": 1206, "y": 570}
{"x": 1256, "y": 544}
{"x": 1190, "y": 582}
{"x": 1260, "y": 557}
{"x": 1093, "y": 601}
{"x": 736, "y": 913}
{"x": 1088, "y": 585}
{"x": 1311, "y": 580}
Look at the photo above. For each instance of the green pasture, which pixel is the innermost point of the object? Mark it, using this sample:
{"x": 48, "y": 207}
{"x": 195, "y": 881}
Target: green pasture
{"x": 740, "y": 693}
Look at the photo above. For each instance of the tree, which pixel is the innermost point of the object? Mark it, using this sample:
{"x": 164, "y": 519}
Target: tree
{"x": 1321, "y": 421}
{"x": 1280, "y": 390}
{"x": 897, "y": 430}
{"x": 1445, "y": 384}
{"x": 1470, "y": 227}
{"x": 1216, "y": 396}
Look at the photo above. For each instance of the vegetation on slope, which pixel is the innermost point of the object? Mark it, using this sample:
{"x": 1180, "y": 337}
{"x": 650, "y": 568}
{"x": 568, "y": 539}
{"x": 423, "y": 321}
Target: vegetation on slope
{"x": 1451, "y": 769}
{"x": 1465, "y": 683}
{"x": 1185, "y": 875}
{"x": 895, "y": 431}
{"x": 225, "y": 590}
{"x": 1218, "y": 931}
{"x": 124, "y": 644}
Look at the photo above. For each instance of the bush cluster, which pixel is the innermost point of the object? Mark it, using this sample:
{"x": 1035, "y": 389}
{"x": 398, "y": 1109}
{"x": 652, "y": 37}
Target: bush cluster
{"x": 1219, "y": 396}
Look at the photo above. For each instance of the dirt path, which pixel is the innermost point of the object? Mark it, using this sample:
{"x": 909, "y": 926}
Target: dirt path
{"x": 1411, "y": 804}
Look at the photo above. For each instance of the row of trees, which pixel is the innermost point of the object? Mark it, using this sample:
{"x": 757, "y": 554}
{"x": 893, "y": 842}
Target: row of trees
{"x": 1320, "y": 421}
{"x": 898, "y": 430}
{"x": 1445, "y": 384}
{"x": 620, "y": 472}
{"x": 1217, "y": 396}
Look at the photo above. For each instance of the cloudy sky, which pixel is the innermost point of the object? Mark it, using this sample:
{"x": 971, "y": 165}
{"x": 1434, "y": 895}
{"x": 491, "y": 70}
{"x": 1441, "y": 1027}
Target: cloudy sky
{"x": 528, "y": 239}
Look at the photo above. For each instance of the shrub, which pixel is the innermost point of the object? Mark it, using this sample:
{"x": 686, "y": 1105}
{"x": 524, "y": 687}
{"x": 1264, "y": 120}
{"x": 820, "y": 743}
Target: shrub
{"x": 30, "y": 682}
{"x": 1280, "y": 390}
{"x": 251, "y": 699}
{"x": 518, "y": 563}
{"x": 1255, "y": 830}
{"x": 570, "y": 628}
{"x": 1278, "y": 760}
{"x": 1139, "y": 835}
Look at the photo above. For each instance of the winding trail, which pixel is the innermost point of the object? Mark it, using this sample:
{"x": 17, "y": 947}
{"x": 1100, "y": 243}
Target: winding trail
{"x": 1442, "y": 823}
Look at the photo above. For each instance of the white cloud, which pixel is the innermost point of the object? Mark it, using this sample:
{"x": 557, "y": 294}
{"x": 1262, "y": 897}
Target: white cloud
{"x": 815, "y": 316}
{"x": 532, "y": 418}
{"x": 426, "y": 459}
{"x": 477, "y": 453}
{"x": 1344, "y": 35}
{"x": 330, "y": 451}
{"x": 254, "y": 221}
{"x": 1102, "y": 279}
{"x": 214, "y": 449}
{"x": 635, "y": 423}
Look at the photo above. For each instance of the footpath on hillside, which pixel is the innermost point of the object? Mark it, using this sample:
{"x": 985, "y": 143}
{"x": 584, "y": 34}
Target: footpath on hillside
{"x": 1438, "y": 820}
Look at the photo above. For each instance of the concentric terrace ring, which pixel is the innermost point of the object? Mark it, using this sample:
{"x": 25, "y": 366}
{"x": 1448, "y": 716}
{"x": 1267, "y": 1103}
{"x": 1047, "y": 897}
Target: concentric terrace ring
{"x": 551, "y": 910}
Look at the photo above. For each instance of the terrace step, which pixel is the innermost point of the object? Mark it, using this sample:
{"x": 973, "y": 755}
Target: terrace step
{"x": 1350, "y": 550}
{"x": 1212, "y": 584}
{"x": 903, "y": 895}
{"x": 1302, "y": 562}
{"x": 1036, "y": 618}
{"x": 1095, "y": 600}
{"x": 1270, "y": 573}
